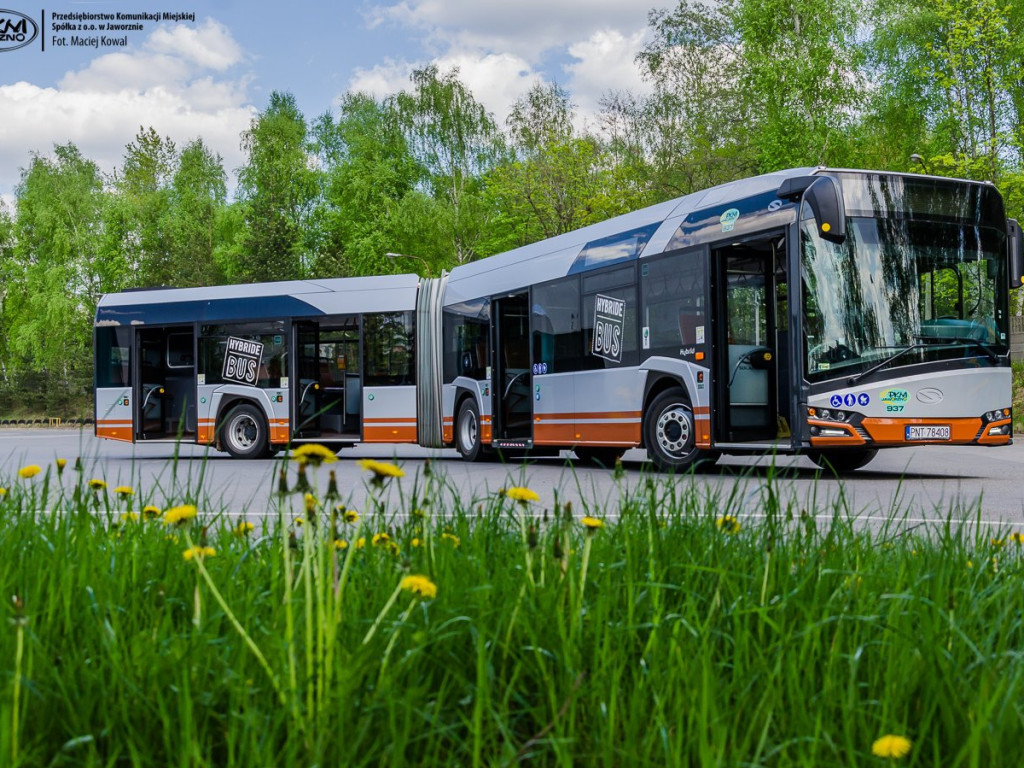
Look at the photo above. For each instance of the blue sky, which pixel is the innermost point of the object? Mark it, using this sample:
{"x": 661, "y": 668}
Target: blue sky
{"x": 208, "y": 77}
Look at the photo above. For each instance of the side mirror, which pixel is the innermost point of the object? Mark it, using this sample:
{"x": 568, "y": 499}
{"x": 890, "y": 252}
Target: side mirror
{"x": 825, "y": 196}
{"x": 1015, "y": 253}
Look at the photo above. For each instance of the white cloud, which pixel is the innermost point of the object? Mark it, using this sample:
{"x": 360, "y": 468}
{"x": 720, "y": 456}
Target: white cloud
{"x": 525, "y": 28}
{"x": 495, "y": 80}
{"x": 174, "y": 82}
{"x": 605, "y": 62}
{"x": 502, "y": 48}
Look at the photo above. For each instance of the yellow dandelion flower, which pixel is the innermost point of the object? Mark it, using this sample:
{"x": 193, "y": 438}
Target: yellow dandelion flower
{"x": 97, "y": 485}
{"x": 521, "y": 494}
{"x": 341, "y": 544}
{"x": 310, "y": 501}
{"x": 348, "y": 515}
{"x": 3, "y": 492}
{"x": 30, "y": 471}
{"x": 416, "y": 542}
{"x": 312, "y": 453}
{"x": 393, "y": 548}
{"x": 151, "y": 511}
{"x": 124, "y": 491}
{"x": 360, "y": 542}
{"x": 180, "y": 514}
{"x": 452, "y": 539}
{"x": 61, "y": 463}
{"x": 299, "y": 521}
{"x": 998, "y": 543}
{"x": 592, "y": 523}
{"x": 891, "y": 746}
{"x": 244, "y": 528}
{"x": 728, "y": 524}
{"x": 198, "y": 553}
{"x": 381, "y": 469}
{"x": 380, "y": 539}
{"x": 129, "y": 517}
{"x": 420, "y": 586}
{"x": 1017, "y": 538}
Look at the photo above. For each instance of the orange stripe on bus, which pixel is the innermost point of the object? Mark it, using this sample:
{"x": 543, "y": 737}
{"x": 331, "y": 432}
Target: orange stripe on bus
{"x": 114, "y": 433}
{"x": 590, "y": 415}
{"x": 396, "y": 434}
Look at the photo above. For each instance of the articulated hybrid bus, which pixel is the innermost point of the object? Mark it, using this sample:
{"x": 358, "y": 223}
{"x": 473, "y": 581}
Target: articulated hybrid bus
{"x": 816, "y": 311}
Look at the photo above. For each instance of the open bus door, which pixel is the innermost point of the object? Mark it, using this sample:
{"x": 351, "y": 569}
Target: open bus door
{"x": 751, "y": 363}
{"x": 164, "y": 390}
{"x": 512, "y": 384}
{"x": 327, "y": 381}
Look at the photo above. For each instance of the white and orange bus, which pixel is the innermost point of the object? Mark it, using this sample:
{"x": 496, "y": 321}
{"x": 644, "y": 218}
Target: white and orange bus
{"x": 817, "y": 311}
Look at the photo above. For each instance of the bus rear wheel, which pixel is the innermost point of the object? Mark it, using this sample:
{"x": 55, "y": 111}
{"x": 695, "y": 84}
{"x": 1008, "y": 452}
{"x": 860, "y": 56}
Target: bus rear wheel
{"x": 468, "y": 440}
{"x": 599, "y": 457}
{"x": 842, "y": 461}
{"x": 670, "y": 433}
{"x": 244, "y": 433}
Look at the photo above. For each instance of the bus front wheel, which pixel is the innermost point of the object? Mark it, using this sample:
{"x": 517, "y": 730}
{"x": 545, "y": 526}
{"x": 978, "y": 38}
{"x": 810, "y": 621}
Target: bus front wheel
{"x": 670, "y": 433}
{"x": 244, "y": 433}
{"x": 468, "y": 439}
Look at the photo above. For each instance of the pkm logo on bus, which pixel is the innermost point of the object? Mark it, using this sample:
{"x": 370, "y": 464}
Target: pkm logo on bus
{"x": 895, "y": 399}
{"x": 16, "y": 30}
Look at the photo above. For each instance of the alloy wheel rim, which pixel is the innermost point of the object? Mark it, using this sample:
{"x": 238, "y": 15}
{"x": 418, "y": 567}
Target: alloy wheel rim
{"x": 674, "y": 431}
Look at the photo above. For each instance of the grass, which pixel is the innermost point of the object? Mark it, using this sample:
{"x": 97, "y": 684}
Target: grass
{"x": 670, "y": 635}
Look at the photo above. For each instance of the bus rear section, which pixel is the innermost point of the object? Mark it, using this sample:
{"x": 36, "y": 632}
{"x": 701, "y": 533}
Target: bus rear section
{"x": 253, "y": 369}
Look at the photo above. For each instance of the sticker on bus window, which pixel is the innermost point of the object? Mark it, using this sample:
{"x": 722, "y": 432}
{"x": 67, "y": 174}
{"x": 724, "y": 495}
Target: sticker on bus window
{"x": 242, "y": 361}
{"x": 609, "y": 315}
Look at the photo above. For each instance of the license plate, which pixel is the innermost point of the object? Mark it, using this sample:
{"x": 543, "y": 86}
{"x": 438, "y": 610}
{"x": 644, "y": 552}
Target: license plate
{"x": 928, "y": 432}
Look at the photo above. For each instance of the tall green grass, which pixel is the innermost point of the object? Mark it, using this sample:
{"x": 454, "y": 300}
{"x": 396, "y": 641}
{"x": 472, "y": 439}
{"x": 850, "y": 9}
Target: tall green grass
{"x": 666, "y": 637}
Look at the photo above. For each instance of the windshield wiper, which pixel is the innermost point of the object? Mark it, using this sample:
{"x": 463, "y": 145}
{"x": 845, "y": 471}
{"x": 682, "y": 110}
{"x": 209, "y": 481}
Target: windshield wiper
{"x": 927, "y": 341}
{"x": 854, "y": 379}
{"x": 989, "y": 352}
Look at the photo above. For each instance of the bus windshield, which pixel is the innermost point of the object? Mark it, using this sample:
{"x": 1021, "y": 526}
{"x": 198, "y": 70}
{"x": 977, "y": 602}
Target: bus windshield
{"x": 910, "y": 284}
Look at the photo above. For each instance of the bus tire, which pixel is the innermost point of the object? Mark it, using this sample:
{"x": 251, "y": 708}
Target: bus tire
{"x": 468, "y": 438}
{"x": 598, "y": 456}
{"x": 842, "y": 461}
{"x": 244, "y": 432}
{"x": 670, "y": 433}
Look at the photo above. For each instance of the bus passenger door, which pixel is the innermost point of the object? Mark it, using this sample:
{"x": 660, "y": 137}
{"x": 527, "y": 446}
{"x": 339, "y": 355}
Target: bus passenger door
{"x": 747, "y": 342}
{"x": 306, "y": 381}
{"x": 165, "y": 392}
{"x": 512, "y": 382}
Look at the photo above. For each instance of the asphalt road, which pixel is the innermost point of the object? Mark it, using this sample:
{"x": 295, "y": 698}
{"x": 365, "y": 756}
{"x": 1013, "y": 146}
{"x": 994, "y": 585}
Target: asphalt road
{"x": 922, "y": 484}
